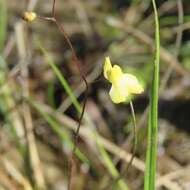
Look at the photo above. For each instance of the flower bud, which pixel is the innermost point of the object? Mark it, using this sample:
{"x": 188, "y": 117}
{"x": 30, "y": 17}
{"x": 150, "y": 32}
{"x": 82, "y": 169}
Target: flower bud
{"x": 29, "y": 16}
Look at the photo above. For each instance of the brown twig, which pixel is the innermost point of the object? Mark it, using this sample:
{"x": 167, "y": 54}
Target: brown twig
{"x": 53, "y": 9}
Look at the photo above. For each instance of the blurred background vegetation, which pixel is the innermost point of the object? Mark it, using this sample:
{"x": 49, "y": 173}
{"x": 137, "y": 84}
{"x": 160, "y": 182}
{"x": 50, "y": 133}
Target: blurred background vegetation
{"x": 38, "y": 112}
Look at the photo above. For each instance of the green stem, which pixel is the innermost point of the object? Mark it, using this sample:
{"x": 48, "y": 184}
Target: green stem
{"x": 151, "y": 154}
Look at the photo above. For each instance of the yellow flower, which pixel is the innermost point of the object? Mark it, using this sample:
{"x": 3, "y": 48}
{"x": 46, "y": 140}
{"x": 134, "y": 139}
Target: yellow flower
{"x": 29, "y": 16}
{"x": 123, "y": 84}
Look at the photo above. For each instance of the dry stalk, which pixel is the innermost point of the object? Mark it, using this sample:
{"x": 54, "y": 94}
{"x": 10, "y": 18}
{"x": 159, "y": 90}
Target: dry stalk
{"x": 32, "y": 148}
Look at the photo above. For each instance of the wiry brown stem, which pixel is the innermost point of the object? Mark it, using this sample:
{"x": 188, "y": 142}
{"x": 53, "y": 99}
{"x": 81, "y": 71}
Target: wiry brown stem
{"x": 76, "y": 62}
{"x": 53, "y": 9}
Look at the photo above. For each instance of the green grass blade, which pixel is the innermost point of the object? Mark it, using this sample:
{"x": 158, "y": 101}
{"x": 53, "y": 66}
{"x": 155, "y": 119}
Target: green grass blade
{"x": 151, "y": 154}
{"x": 63, "y": 135}
{"x": 3, "y": 23}
{"x": 6, "y": 103}
{"x": 50, "y": 94}
{"x": 62, "y": 79}
{"x": 110, "y": 165}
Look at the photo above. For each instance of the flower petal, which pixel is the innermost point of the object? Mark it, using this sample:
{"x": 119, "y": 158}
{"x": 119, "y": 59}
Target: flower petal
{"x": 115, "y": 74}
{"x": 118, "y": 94}
{"x": 132, "y": 84}
{"x": 107, "y": 67}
